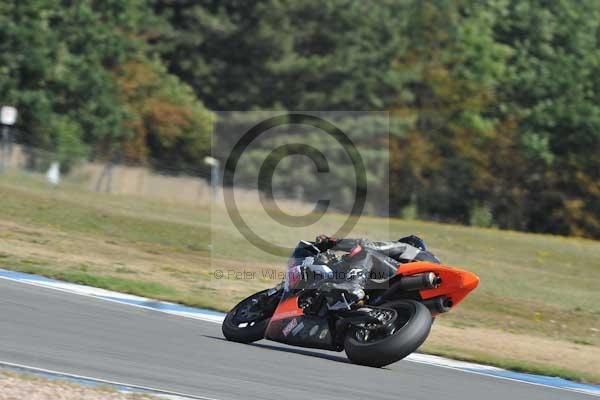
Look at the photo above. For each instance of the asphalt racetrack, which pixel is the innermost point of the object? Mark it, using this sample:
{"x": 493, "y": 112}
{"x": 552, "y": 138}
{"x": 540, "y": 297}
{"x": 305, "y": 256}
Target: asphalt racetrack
{"x": 74, "y": 334}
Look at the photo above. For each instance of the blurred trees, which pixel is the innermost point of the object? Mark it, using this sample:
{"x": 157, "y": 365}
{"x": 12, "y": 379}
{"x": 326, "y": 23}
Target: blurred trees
{"x": 495, "y": 106}
{"x": 507, "y": 115}
{"x": 285, "y": 54}
{"x": 444, "y": 160}
{"x": 171, "y": 128}
{"x": 54, "y": 71}
{"x": 66, "y": 66}
{"x": 550, "y": 91}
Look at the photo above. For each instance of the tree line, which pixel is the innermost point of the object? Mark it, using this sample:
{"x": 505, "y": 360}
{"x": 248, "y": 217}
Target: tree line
{"x": 497, "y": 100}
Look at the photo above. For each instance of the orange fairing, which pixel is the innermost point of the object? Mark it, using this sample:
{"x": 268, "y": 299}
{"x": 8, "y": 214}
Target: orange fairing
{"x": 287, "y": 308}
{"x": 455, "y": 283}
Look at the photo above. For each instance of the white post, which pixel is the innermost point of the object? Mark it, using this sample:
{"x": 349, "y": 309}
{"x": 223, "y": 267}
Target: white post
{"x": 53, "y": 174}
{"x": 8, "y": 116}
{"x": 214, "y": 175}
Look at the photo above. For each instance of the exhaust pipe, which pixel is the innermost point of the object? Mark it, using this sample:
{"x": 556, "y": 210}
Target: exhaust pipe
{"x": 440, "y": 304}
{"x": 427, "y": 280}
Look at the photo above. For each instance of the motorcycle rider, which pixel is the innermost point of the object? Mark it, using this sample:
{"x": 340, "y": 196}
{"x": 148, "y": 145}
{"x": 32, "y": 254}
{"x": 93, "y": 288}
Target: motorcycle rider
{"x": 313, "y": 265}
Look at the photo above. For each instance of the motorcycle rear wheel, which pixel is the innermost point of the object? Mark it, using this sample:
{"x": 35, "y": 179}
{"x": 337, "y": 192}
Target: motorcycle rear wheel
{"x": 414, "y": 323}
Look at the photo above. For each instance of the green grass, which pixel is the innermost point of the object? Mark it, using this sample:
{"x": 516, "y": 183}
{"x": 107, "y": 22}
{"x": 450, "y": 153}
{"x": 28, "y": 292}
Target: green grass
{"x": 61, "y": 211}
{"x": 137, "y": 287}
{"x": 537, "y": 285}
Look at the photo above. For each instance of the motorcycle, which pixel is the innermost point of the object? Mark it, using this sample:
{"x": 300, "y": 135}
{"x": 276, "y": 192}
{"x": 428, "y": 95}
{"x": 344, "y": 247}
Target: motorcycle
{"x": 397, "y": 306}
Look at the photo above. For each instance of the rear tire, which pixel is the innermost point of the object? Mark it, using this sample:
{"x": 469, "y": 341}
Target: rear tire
{"x": 254, "y": 329}
{"x": 405, "y": 340}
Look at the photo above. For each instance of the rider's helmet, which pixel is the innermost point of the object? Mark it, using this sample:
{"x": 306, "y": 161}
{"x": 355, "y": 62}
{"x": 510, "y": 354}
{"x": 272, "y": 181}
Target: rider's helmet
{"x": 414, "y": 241}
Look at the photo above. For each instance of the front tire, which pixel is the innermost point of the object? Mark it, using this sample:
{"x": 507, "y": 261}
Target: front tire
{"x": 248, "y": 320}
{"x": 404, "y": 340}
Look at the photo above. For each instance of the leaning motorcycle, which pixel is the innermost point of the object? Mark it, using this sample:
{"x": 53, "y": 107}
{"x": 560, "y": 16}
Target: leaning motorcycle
{"x": 391, "y": 320}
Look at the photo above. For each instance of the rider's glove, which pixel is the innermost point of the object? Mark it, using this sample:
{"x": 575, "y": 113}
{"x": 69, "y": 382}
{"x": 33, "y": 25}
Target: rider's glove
{"x": 324, "y": 242}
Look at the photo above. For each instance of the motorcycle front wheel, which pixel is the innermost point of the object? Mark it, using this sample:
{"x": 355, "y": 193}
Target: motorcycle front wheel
{"x": 410, "y": 331}
{"x": 248, "y": 320}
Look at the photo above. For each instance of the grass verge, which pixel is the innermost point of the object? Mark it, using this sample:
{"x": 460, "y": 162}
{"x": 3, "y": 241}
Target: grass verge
{"x": 30, "y": 386}
{"x": 510, "y": 364}
{"x": 123, "y": 285}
